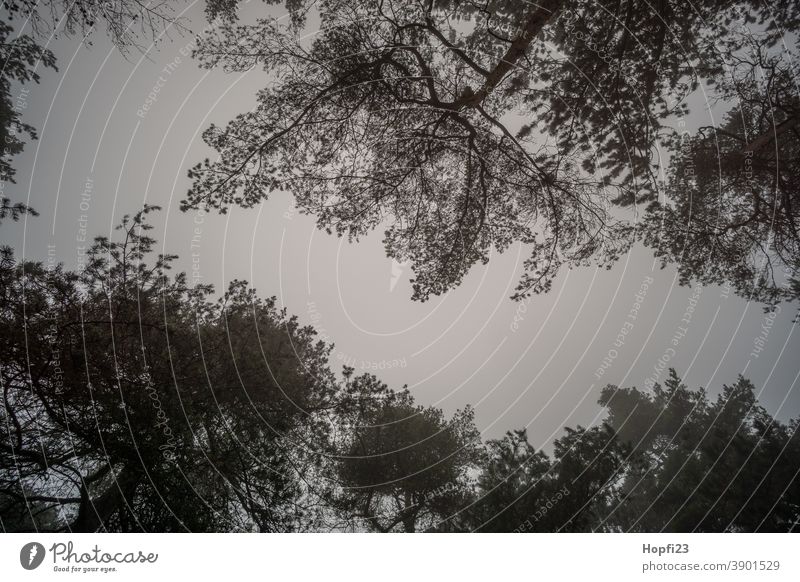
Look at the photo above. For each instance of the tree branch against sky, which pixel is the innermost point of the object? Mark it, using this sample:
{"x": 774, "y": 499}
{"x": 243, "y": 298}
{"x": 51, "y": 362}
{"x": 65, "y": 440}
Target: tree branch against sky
{"x": 29, "y": 25}
{"x": 382, "y": 120}
{"x": 731, "y": 213}
{"x": 137, "y": 399}
{"x": 461, "y": 128}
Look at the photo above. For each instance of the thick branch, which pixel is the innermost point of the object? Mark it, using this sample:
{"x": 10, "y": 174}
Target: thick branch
{"x": 544, "y": 11}
{"x": 95, "y": 512}
{"x": 766, "y": 138}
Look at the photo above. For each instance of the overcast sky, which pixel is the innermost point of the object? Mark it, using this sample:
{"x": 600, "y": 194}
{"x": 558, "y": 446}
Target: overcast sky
{"x": 101, "y": 155}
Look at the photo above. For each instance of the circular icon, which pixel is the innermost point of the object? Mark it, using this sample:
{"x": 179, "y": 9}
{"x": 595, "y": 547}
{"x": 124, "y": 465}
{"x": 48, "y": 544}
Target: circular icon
{"x": 31, "y": 555}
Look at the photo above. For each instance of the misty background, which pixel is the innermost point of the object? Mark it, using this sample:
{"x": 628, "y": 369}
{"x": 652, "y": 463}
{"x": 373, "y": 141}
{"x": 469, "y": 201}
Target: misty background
{"x": 106, "y": 147}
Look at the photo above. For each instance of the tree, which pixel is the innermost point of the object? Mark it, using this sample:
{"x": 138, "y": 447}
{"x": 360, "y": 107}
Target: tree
{"x": 127, "y": 22}
{"x": 401, "y": 466}
{"x": 524, "y": 490}
{"x": 461, "y": 127}
{"x": 730, "y": 213}
{"x": 513, "y": 479}
{"x": 702, "y": 466}
{"x": 666, "y": 459}
{"x": 22, "y": 57}
{"x": 133, "y": 402}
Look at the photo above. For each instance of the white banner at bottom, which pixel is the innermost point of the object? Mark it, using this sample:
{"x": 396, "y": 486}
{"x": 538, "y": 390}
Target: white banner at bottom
{"x": 371, "y": 557}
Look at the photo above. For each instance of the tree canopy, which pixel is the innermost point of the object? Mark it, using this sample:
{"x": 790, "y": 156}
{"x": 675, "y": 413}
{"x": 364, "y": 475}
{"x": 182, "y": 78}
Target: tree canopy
{"x": 662, "y": 460}
{"x": 135, "y": 401}
{"x": 730, "y": 214}
{"x": 401, "y": 465}
{"x": 132, "y": 401}
{"x": 460, "y": 127}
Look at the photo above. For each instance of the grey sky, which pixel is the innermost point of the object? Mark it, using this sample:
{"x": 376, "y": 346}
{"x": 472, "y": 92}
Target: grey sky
{"x": 101, "y": 155}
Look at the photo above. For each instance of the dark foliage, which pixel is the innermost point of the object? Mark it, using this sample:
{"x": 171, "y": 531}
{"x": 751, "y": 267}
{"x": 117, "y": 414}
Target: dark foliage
{"x": 134, "y": 402}
{"x": 460, "y": 128}
{"x": 666, "y": 460}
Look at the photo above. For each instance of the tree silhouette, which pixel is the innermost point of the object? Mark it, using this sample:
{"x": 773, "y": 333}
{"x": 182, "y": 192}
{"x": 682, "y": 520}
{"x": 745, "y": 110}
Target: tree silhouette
{"x": 461, "y": 127}
{"x": 524, "y": 490}
{"x": 132, "y": 402}
{"x": 402, "y": 466}
{"x": 514, "y": 478}
{"x": 715, "y": 466}
{"x": 22, "y": 57}
{"x": 128, "y": 23}
{"x": 662, "y": 460}
{"x": 731, "y": 212}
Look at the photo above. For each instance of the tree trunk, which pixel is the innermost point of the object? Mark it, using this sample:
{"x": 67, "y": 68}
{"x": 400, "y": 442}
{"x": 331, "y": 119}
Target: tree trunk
{"x": 410, "y": 514}
{"x": 95, "y": 512}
